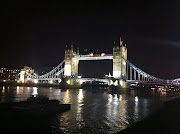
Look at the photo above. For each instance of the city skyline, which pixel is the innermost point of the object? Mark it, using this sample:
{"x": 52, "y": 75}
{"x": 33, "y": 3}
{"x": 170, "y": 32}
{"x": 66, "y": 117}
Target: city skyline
{"x": 37, "y": 35}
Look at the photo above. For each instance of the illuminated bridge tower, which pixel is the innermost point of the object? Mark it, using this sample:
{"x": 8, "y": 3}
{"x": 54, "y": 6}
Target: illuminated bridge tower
{"x": 71, "y": 63}
{"x": 119, "y": 65}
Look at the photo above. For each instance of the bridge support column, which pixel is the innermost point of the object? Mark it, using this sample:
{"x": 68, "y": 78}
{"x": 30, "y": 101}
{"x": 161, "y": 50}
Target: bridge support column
{"x": 134, "y": 75}
{"x": 130, "y": 73}
{"x": 127, "y": 72}
{"x": 142, "y": 78}
{"x": 138, "y": 76}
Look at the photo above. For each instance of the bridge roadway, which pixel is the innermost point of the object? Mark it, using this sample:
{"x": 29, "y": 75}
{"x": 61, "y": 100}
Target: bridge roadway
{"x": 44, "y": 79}
{"x": 91, "y": 79}
{"x": 94, "y": 57}
{"x": 81, "y": 80}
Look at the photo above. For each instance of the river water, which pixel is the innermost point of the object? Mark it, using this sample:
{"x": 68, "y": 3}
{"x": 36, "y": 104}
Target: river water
{"x": 93, "y": 110}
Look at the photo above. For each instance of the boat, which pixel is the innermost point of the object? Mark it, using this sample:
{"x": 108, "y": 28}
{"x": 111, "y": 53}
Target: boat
{"x": 95, "y": 85}
{"x": 36, "y": 106}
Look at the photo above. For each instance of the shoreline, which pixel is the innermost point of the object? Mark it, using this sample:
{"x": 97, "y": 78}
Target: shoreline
{"x": 166, "y": 120}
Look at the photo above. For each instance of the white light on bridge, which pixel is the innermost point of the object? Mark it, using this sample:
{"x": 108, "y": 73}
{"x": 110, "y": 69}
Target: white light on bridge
{"x": 67, "y": 71}
{"x": 51, "y": 82}
{"x": 102, "y": 54}
{"x": 68, "y": 81}
{"x": 80, "y": 81}
{"x": 91, "y": 54}
{"x": 116, "y": 83}
{"x": 116, "y": 74}
{"x": 35, "y": 81}
{"x": 59, "y": 80}
{"x": 79, "y": 76}
{"x": 121, "y": 82}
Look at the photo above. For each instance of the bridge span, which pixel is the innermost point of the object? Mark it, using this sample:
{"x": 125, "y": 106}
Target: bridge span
{"x": 123, "y": 70}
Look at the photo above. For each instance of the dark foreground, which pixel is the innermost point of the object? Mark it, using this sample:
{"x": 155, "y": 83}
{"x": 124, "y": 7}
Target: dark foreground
{"x": 30, "y": 116}
{"x": 164, "y": 121}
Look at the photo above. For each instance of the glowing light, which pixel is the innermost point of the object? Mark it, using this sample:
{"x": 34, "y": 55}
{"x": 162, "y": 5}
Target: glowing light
{"x": 136, "y": 99}
{"x": 91, "y": 54}
{"x": 79, "y": 116}
{"x": 80, "y": 95}
{"x": 66, "y": 97}
{"x": 102, "y": 54}
{"x": 111, "y": 82}
{"x": 109, "y": 98}
{"x": 120, "y": 97}
{"x": 79, "y": 76}
{"x": 80, "y": 82}
{"x": 115, "y": 97}
{"x": 35, "y": 93}
{"x": 4, "y": 80}
{"x": 116, "y": 83}
{"x": 51, "y": 82}
{"x": 68, "y": 81}
{"x": 67, "y": 70}
{"x": 59, "y": 80}
{"x": 35, "y": 81}
{"x": 116, "y": 74}
{"x": 121, "y": 82}
{"x": 17, "y": 89}
{"x": 109, "y": 75}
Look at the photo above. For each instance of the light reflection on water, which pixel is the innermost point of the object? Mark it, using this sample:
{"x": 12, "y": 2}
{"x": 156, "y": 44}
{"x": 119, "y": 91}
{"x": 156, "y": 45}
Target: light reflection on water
{"x": 92, "y": 111}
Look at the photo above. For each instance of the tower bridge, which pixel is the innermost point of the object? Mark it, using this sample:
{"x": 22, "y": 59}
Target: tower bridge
{"x": 124, "y": 72}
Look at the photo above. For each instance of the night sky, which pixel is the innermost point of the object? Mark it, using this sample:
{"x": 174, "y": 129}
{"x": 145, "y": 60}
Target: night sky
{"x": 36, "y": 34}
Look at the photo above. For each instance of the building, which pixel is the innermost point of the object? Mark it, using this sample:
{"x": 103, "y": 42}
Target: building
{"x": 9, "y": 74}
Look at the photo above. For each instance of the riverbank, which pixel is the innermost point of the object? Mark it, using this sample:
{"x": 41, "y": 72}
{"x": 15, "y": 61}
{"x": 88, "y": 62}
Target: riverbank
{"x": 164, "y": 121}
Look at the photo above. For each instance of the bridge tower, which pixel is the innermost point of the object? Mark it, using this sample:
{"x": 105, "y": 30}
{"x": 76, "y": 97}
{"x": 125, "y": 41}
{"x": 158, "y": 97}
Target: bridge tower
{"x": 71, "y": 63}
{"x": 23, "y": 72}
{"x": 119, "y": 64}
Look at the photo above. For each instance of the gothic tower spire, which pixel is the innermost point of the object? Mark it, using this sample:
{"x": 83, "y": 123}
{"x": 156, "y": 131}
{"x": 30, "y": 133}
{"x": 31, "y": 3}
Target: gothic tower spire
{"x": 121, "y": 42}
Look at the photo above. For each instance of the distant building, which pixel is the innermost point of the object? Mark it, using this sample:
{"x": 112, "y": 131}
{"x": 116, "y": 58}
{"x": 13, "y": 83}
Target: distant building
{"x": 9, "y": 74}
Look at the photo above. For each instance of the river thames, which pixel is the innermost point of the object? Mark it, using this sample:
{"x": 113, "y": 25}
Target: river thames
{"x": 93, "y": 110}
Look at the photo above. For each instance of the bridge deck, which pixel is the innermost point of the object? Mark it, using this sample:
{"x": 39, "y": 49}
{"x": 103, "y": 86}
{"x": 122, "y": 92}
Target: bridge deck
{"x": 87, "y": 57}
